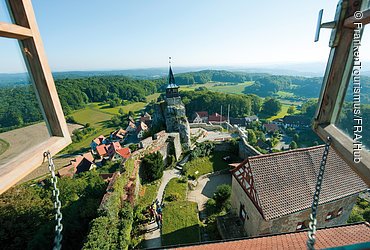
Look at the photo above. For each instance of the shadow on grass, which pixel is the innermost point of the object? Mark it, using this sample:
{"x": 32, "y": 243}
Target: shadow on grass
{"x": 182, "y": 236}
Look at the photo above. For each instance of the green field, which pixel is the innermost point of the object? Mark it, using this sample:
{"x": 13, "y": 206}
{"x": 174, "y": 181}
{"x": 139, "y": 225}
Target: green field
{"x": 222, "y": 87}
{"x": 283, "y": 112}
{"x": 98, "y": 116}
{"x": 134, "y": 107}
{"x": 3, "y": 146}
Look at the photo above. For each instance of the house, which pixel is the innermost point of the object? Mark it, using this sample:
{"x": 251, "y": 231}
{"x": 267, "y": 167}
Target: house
{"x": 263, "y": 145}
{"x": 141, "y": 129}
{"x": 271, "y": 127}
{"x": 131, "y": 128}
{"x": 102, "y": 151}
{"x": 97, "y": 141}
{"x": 121, "y": 154}
{"x": 332, "y": 237}
{"x": 278, "y": 121}
{"x": 273, "y": 193}
{"x": 296, "y": 121}
{"x": 200, "y": 117}
{"x": 216, "y": 117}
{"x": 238, "y": 121}
{"x": 146, "y": 118}
{"x": 80, "y": 164}
{"x": 117, "y": 153}
{"x": 252, "y": 118}
{"x": 118, "y": 135}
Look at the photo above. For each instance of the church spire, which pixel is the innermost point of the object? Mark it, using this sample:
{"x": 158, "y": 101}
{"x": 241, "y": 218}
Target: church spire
{"x": 172, "y": 89}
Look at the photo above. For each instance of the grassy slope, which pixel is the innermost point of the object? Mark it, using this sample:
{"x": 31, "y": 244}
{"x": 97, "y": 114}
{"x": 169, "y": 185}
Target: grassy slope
{"x": 4, "y": 145}
{"x": 283, "y": 112}
{"x": 98, "y": 116}
{"x": 180, "y": 223}
{"x": 176, "y": 186}
{"x": 205, "y": 165}
{"x": 148, "y": 193}
{"x": 180, "y": 218}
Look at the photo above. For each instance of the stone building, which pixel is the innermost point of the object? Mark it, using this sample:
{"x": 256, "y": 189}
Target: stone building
{"x": 172, "y": 114}
{"x": 273, "y": 193}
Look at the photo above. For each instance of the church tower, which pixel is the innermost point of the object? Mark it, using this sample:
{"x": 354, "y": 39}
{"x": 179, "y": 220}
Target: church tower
{"x": 172, "y": 90}
{"x": 175, "y": 113}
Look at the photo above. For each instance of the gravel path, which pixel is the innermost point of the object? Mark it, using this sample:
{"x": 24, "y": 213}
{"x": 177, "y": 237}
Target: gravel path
{"x": 153, "y": 235}
{"x": 206, "y": 188}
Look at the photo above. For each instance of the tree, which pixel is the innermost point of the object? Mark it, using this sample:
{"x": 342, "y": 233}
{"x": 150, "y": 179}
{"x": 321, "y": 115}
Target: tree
{"x": 296, "y": 137}
{"x": 152, "y": 167}
{"x": 252, "y": 139}
{"x": 366, "y": 214}
{"x": 222, "y": 195}
{"x": 291, "y": 109}
{"x": 293, "y": 145}
{"x": 271, "y": 106}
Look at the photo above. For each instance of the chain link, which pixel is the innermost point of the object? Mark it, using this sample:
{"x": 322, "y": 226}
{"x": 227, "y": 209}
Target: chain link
{"x": 312, "y": 225}
{"x": 57, "y": 203}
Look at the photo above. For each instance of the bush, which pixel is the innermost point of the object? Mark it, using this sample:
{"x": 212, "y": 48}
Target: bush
{"x": 222, "y": 195}
{"x": 355, "y": 217}
{"x": 173, "y": 197}
{"x": 202, "y": 149}
{"x": 366, "y": 214}
{"x": 211, "y": 206}
{"x": 363, "y": 204}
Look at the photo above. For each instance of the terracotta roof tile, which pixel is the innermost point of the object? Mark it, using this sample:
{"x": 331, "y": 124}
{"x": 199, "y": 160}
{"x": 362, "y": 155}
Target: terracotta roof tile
{"x": 285, "y": 181}
{"x": 325, "y": 238}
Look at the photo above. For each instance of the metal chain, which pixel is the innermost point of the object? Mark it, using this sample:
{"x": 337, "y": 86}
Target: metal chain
{"x": 312, "y": 226}
{"x": 57, "y": 203}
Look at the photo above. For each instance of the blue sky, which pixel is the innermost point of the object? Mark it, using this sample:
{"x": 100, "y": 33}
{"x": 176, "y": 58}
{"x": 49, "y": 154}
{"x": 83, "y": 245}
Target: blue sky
{"x": 116, "y": 34}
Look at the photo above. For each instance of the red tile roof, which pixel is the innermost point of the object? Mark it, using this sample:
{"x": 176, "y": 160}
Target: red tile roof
{"x": 124, "y": 152}
{"x": 216, "y": 118}
{"x": 285, "y": 181}
{"x": 202, "y": 114}
{"x": 271, "y": 127}
{"x": 99, "y": 140}
{"x": 325, "y": 238}
{"x": 102, "y": 149}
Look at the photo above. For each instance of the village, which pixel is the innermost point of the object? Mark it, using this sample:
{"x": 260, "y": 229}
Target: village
{"x": 253, "y": 177}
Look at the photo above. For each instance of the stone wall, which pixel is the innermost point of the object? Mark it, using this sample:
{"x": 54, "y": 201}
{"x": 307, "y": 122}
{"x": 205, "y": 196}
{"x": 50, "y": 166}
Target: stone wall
{"x": 206, "y": 126}
{"x": 256, "y": 225}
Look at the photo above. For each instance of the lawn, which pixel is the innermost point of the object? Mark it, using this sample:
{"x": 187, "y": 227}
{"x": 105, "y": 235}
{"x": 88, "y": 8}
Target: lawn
{"x": 90, "y": 114}
{"x": 205, "y": 165}
{"x": 176, "y": 187}
{"x": 180, "y": 223}
{"x": 148, "y": 193}
{"x": 3, "y": 146}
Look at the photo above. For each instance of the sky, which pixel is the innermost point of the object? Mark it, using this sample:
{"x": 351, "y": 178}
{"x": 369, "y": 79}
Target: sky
{"x": 116, "y": 34}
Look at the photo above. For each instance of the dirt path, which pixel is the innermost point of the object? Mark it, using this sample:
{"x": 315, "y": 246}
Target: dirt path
{"x": 153, "y": 235}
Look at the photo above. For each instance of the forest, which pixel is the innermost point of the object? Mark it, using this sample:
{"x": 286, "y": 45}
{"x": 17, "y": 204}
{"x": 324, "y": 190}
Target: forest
{"x": 204, "y": 100}
{"x": 19, "y": 105}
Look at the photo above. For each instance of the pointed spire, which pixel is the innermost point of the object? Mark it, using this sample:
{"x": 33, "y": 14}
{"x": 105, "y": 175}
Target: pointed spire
{"x": 171, "y": 78}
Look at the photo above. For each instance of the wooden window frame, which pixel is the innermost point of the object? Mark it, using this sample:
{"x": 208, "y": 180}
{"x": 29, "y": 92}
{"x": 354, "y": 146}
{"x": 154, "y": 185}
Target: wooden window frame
{"x": 336, "y": 80}
{"x": 24, "y": 28}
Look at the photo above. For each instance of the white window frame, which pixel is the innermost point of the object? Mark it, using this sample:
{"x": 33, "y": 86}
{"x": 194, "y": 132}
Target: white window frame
{"x": 24, "y": 28}
{"x": 335, "y": 83}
